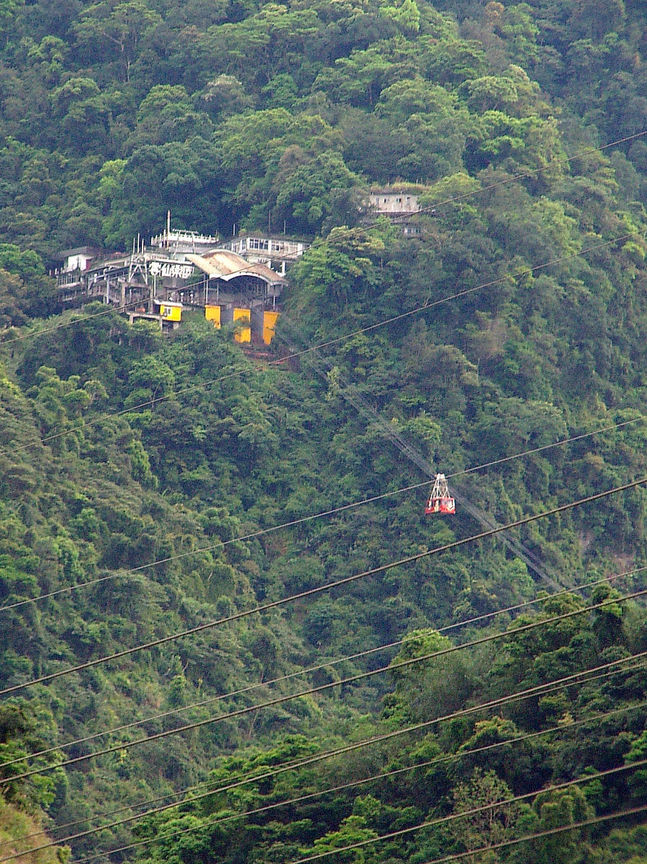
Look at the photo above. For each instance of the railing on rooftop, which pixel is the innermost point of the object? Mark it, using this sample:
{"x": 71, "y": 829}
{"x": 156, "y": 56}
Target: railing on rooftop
{"x": 168, "y": 238}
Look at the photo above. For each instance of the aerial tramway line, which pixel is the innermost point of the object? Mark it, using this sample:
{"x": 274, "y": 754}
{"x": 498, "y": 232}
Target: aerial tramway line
{"x": 440, "y": 501}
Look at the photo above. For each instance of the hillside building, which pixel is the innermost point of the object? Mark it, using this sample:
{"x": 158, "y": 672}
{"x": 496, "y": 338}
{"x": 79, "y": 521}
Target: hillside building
{"x": 393, "y": 202}
{"x": 396, "y": 203}
{"x": 275, "y": 252}
{"x": 184, "y": 269}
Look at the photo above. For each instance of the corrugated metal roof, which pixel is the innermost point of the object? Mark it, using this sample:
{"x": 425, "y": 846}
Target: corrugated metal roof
{"x": 227, "y": 265}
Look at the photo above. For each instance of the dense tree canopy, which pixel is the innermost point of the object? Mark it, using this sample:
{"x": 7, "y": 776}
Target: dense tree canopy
{"x": 508, "y": 322}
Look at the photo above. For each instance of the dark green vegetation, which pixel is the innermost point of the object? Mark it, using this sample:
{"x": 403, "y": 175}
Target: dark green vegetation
{"x": 240, "y": 113}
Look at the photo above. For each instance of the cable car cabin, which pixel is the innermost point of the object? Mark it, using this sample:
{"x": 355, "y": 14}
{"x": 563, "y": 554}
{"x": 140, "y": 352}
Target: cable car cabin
{"x": 440, "y": 501}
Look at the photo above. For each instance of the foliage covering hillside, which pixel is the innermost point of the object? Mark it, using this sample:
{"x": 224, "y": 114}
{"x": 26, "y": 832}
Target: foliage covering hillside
{"x": 147, "y": 466}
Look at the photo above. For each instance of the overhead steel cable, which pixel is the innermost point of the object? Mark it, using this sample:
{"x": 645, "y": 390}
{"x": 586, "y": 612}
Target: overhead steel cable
{"x": 321, "y": 688}
{"x": 384, "y": 775}
{"x": 80, "y": 319}
{"x": 537, "y": 835}
{"x": 307, "y": 671}
{"x": 303, "y": 519}
{"x": 357, "y": 400}
{"x": 472, "y": 811}
{"x": 328, "y": 343}
{"x": 514, "y": 177}
{"x": 409, "y": 559}
{"x": 543, "y": 447}
{"x": 529, "y": 692}
{"x": 438, "y": 759}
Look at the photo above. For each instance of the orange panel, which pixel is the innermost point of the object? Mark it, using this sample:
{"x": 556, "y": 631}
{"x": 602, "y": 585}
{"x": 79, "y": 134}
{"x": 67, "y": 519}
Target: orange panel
{"x": 212, "y": 313}
{"x": 269, "y": 325}
{"x": 244, "y": 334}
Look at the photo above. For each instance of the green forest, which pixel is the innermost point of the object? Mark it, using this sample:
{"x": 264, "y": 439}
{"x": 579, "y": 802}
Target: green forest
{"x": 230, "y": 634}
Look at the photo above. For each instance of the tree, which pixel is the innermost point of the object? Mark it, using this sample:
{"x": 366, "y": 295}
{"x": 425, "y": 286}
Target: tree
{"x": 496, "y": 820}
{"x": 406, "y": 16}
{"x": 116, "y": 24}
{"x": 24, "y": 263}
{"x": 225, "y": 95}
{"x": 555, "y": 810}
{"x": 315, "y": 193}
{"x": 167, "y": 114}
{"x": 453, "y": 61}
{"x": 491, "y": 93}
{"x": 341, "y": 268}
{"x": 428, "y": 689}
{"x": 358, "y": 79}
{"x": 590, "y": 21}
{"x": 22, "y": 726}
{"x": 351, "y": 830}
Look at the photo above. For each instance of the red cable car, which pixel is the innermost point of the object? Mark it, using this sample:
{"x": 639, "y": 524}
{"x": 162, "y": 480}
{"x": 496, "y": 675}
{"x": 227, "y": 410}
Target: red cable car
{"x": 440, "y": 501}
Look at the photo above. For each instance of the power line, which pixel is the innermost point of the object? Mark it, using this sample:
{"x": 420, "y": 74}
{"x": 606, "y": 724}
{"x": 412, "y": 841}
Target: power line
{"x": 529, "y": 692}
{"x": 349, "y": 392}
{"x": 369, "y": 327}
{"x": 452, "y": 817}
{"x": 445, "y": 757}
{"x": 280, "y": 700}
{"x": 530, "y": 173}
{"x": 548, "y": 832}
{"x": 301, "y": 520}
{"x": 321, "y": 588}
{"x": 358, "y": 655}
{"x": 140, "y": 804}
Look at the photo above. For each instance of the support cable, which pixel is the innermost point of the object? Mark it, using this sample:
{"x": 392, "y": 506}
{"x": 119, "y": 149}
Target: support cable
{"x": 366, "y": 329}
{"x": 321, "y": 514}
{"x": 530, "y": 692}
{"x": 444, "y": 757}
{"x": 548, "y": 832}
{"x": 176, "y": 712}
{"x": 473, "y": 811}
{"x": 321, "y": 688}
{"x": 384, "y": 775}
{"x": 455, "y": 544}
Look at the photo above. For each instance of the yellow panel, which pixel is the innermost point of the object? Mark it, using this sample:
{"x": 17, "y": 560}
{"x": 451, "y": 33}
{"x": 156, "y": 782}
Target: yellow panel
{"x": 171, "y": 313}
{"x": 212, "y": 313}
{"x": 269, "y": 324}
{"x": 245, "y": 333}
